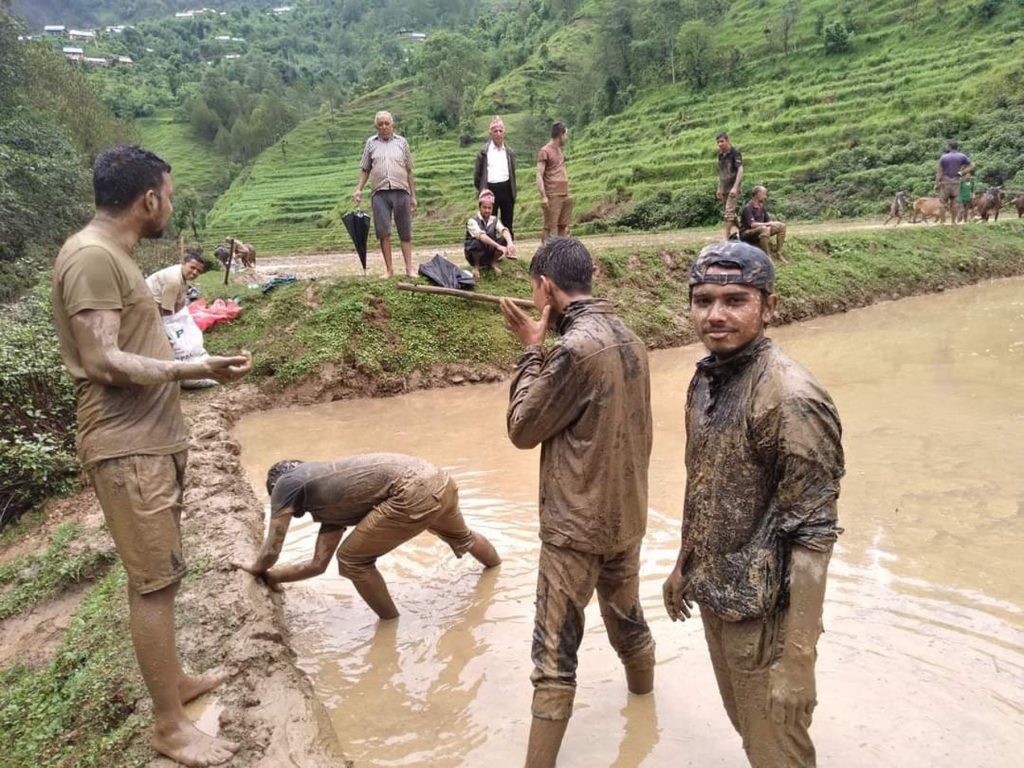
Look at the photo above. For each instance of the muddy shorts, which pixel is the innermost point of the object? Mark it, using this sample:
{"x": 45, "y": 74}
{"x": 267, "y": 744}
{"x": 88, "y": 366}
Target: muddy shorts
{"x": 566, "y": 581}
{"x": 419, "y": 503}
{"x": 141, "y": 499}
{"x": 742, "y": 653}
{"x": 949, "y": 190}
{"x": 729, "y": 214}
{"x": 386, "y": 203}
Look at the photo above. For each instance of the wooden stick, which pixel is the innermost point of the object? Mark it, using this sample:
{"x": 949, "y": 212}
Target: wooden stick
{"x": 460, "y": 294}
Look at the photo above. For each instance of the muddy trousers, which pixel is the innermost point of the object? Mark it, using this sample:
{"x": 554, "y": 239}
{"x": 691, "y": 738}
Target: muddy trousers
{"x": 566, "y": 581}
{"x": 742, "y": 653}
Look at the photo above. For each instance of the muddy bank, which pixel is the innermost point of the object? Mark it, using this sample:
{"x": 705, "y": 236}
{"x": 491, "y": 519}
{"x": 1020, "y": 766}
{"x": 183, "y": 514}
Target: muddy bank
{"x": 224, "y": 617}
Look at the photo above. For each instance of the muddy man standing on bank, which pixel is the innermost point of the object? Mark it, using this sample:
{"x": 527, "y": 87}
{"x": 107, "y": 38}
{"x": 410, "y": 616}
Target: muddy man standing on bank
{"x": 587, "y": 402}
{"x": 388, "y": 497}
{"x": 131, "y": 434}
{"x": 763, "y": 463}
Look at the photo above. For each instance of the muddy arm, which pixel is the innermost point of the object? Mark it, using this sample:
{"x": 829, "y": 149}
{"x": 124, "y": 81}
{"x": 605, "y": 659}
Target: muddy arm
{"x": 271, "y": 548}
{"x": 95, "y": 332}
{"x": 793, "y": 693}
{"x": 327, "y": 542}
{"x": 544, "y": 398}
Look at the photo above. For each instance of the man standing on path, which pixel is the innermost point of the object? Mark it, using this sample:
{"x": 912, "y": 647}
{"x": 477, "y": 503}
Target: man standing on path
{"x": 553, "y": 183}
{"x": 730, "y": 178}
{"x": 389, "y": 498}
{"x": 763, "y": 464}
{"x": 757, "y": 226}
{"x": 168, "y": 285}
{"x": 496, "y": 170}
{"x": 947, "y": 178}
{"x": 587, "y": 402}
{"x": 387, "y": 163}
{"x": 131, "y": 434}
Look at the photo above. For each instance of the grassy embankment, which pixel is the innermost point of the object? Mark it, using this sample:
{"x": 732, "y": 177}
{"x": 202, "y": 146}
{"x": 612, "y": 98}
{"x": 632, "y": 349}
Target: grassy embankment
{"x": 353, "y": 335}
{"x": 830, "y": 135}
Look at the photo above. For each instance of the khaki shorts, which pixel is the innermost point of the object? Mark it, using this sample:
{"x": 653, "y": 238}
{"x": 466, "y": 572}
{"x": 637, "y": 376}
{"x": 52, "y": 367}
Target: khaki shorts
{"x": 418, "y": 504}
{"x": 949, "y": 191}
{"x": 141, "y": 499}
{"x": 729, "y": 214}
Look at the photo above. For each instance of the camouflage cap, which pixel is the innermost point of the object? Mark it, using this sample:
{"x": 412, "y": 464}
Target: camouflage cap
{"x": 755, "y": 267}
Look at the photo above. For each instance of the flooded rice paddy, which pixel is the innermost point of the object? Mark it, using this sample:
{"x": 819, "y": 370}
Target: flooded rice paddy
{"x": 922, "y": 663}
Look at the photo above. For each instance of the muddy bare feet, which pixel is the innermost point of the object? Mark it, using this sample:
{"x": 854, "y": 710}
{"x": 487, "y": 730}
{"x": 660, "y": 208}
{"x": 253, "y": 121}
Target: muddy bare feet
{"x": 193, "y": 686}
{"x": 185, "y": 743}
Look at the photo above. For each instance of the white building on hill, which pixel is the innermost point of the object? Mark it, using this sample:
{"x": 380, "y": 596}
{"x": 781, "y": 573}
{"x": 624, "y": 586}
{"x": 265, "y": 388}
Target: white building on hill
{"x": 81, "y": 34}
{"x": 57, "y": 30}
{"x": 74, "y": 54}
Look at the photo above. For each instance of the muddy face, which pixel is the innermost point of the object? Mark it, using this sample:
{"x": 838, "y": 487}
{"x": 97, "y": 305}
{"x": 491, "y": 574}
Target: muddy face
{"x": 924, "y": 615}
{"x": 729, "y": 317}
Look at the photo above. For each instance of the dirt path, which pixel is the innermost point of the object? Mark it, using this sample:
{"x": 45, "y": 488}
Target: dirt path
{"x": 347, "y": 262}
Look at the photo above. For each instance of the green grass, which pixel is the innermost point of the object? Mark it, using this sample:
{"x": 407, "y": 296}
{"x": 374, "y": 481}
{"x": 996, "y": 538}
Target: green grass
{"x": 80, "y": 708}
{"x": 195, "y": 165}
{"x": 832, "y": 136}
{"x": 367, "y": 331}
{"x": 31, "y": 579}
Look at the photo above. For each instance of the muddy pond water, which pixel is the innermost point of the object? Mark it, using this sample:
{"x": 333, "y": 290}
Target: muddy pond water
{"x": 922, "y": 663}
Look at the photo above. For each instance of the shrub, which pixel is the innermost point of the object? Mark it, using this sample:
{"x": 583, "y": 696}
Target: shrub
{"x": 665, "y": 209}
{"x": 37, "y": 408}
{"x": 837, "y": 38}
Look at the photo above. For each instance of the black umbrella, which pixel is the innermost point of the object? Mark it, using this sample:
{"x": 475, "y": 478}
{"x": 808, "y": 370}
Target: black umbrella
{"x": 358, "y": 225}
{"x": 442, "y": 272}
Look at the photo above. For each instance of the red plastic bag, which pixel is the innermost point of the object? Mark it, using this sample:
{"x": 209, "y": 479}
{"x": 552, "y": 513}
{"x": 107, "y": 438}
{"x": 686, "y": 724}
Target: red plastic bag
{"x": 207, "y": 316}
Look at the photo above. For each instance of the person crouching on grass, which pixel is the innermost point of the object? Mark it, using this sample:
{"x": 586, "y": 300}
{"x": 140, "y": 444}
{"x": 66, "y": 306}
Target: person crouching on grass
{"x": 488, "y": 241}
{"x": 388, "y": 497}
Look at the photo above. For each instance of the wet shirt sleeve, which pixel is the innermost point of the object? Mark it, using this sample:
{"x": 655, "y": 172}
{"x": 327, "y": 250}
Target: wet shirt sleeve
{"x": 544, "y": 396}
{"x": 91, "y": 281}
{"x": 288, "y": 494}
{"x": 805, "y": 434}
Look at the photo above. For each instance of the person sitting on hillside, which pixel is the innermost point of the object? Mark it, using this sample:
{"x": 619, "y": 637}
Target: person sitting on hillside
{"x": 389, "y": 498}
{"x": 487, "y": 239}
{"x": 170, "y": 284}
{"x": 757, "y": 226}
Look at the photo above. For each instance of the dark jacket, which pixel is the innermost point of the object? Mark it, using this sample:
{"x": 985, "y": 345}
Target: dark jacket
{"x": 588, "y": 402}
{"x": 480, "y": 172}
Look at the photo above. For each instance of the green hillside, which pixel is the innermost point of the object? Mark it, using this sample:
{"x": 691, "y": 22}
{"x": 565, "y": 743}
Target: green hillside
{"x": 832, "y": 135}
{"x": 195, "y": 165}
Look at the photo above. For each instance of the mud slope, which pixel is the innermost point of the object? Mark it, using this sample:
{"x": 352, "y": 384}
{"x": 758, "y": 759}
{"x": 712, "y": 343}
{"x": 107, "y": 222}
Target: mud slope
{"x": 227, "y": 618}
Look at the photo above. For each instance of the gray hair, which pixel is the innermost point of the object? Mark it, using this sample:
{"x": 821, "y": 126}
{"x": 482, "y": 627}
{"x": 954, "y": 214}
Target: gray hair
{"x": 759, "y": 189}
{"x": 383, "y": 113}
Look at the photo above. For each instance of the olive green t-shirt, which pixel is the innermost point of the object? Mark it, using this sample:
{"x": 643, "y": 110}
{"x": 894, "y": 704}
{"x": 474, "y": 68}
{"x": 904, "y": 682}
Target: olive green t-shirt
{"x": 92, "y": 272}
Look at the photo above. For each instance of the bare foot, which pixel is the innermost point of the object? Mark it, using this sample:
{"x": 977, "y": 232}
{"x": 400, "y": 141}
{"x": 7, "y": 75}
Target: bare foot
{"x": 497, "y": 272}
{"x": 185, "y": 743}
{"x": 476, "y": 273}
{"x": 193, "y": 686}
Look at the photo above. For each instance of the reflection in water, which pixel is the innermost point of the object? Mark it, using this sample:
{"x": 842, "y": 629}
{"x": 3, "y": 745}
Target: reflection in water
{"x": 922, "y": 663}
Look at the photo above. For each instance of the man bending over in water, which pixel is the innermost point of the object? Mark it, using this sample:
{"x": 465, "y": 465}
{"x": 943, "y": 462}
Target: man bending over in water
{"x": 388, "y": 497}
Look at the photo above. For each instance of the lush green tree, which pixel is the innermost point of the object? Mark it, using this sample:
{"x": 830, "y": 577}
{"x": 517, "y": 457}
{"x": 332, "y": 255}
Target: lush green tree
{"x": 698, "y": 54}
{"x": 448, "y": 64}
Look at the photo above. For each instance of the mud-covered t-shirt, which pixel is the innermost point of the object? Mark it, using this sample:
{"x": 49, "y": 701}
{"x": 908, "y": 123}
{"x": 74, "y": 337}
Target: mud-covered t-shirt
{"x": 342, "y": 492}
{"x": 554, "y": 175}
{"x": 587, "y": 401}
{"x": 763, "y": 464}
{"x": 94, "y": 273}
{"x": 729, "y": 163}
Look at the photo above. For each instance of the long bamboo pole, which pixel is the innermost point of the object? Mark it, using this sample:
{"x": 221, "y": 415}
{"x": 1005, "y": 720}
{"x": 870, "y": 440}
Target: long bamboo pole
{"x": 460, "y": 294}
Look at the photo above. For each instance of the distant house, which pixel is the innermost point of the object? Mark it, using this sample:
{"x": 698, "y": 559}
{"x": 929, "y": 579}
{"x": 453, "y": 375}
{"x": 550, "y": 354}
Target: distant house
{"x": 95, "y": 61}
{"x": 125, "y": 61}
{"x": 57, "y": 30}
{"x": 419, "y": 37}
{"x": 74, "y": 54}
{"x": 117, "y": 29}
{"x": 184, "y": 14}
{"x": 81, "y": 34}
{"x": 231, "y": 56}
{"x": 223, "y": 38}
{"x": 281, "y": 9}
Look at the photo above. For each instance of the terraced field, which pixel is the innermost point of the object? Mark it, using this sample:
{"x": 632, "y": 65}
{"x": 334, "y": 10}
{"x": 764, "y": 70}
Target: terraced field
{"x": 831, "y": 136}
{"x": 195, "y": 165}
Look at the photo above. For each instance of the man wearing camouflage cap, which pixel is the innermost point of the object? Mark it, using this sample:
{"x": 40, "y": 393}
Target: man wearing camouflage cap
{"x": 763, "y": 463}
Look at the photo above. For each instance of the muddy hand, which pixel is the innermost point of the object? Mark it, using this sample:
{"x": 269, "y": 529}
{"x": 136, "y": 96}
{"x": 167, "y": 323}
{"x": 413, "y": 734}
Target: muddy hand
{"x": 673, "y": 591}
{"x": 791, "y": 691}
{"x": 225, "y": 369}
{"x": 530, "y": 333}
